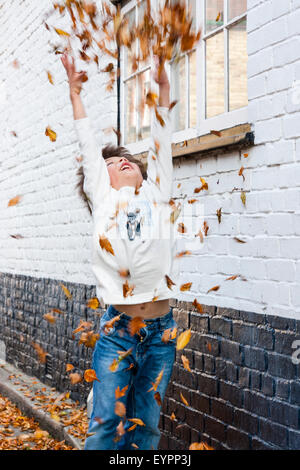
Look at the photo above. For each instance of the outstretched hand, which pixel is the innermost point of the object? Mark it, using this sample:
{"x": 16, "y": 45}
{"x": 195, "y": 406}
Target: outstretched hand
{"x": 75, "y": 78}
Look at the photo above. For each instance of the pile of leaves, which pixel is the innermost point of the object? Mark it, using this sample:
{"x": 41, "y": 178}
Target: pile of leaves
{"x": 18, "y": 432}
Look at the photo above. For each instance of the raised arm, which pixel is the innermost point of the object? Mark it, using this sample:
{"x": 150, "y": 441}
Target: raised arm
{"x": 96, "y": 177}
{"x": 159, "y": 160}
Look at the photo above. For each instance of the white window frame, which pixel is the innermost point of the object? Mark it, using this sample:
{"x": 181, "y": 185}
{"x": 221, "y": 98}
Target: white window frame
{"x": 225, "y": 120}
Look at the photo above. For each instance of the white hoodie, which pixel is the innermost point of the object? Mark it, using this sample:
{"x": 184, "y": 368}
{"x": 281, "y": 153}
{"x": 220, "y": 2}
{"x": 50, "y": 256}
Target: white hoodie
{"x": 133, "y": 234}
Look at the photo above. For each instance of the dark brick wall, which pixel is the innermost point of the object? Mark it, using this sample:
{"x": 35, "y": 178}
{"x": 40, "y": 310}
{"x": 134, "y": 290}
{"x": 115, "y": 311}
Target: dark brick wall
{"x": 243, "y": 390}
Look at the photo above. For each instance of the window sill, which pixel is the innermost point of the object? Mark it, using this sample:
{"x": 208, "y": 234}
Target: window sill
{"x": 235, "y": 137}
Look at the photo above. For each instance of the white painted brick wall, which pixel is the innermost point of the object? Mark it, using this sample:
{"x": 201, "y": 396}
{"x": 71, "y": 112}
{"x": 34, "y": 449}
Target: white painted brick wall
{"x": 54, "y": 221}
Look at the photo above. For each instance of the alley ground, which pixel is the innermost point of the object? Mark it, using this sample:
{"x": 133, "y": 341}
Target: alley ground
{"x": 36, "y": 416}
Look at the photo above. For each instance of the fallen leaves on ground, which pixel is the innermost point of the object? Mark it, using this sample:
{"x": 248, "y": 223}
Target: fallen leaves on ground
{"x": 18, "y": 432}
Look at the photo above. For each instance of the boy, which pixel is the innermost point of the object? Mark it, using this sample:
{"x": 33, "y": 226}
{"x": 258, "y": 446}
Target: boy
{"x": 134, "y": 265}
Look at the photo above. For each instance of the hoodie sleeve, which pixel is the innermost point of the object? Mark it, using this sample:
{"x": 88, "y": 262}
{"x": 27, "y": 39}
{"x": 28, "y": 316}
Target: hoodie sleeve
{"x": 96, "y": 177}
{"x": 159, "y": 159}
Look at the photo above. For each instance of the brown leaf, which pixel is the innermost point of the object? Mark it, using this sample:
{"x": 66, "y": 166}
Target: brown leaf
{"x": 173, "y": 104}
{"x": 49, "y": 317}
{"x": 137, "y": 421}
{"x": 181, "y": 228}
{"x": 120, "y": 409}
{"x": 15, "y": 200}
{"x": 218, "y": 133}
{"x": 169, "y": 281}
{"x": 66, "y": 291}
{"x": 183, "y": 253}
{"x": 151, "y": 99}
{"x": 75, "y": 378}
{"x": 200, "y": 446}
{"x": 120, "y": 393}
{"x": 135, "y": 324}
{"x": 219, "y": 214}
{"x": 158, "y": 398}
{"x": 243, "y": 197}
{"x": 50, "y": 77}
{"x": 93, "y": 303}
{"x": 184, "y": 399}
{"x": 124, "y": 272}
{"x": 127, "y": 289}
{"x": 239, "y": 240}
{"x": 51, "y": 134}
{"x": 61, "y": 32}
{"x": 183, "y": 339}
{"x": 90, "y": 375}
{"x": 105, "y": 244}
{"x": 185, "y": 362}
{"x": 40, "y": 352}
{"x": 213, "y": 289}
{"x": 157, "y": 381}
{"x": 231, "y": 278}
{"x": 110, "y": 323}
{"x": 186, "y": 286}
{"x": 198, "y": 306}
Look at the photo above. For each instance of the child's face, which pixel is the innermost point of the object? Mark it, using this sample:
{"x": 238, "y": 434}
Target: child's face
{"x": 122, "y": 172}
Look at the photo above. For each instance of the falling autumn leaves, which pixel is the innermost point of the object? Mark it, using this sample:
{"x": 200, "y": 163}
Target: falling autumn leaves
{"x": 166, "y": 35}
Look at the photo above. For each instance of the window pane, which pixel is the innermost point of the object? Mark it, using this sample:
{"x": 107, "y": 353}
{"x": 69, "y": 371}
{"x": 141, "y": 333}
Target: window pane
{"x": 193, "y": 89}
{"x": 238, "y": 93}
{"x": 144, "y": 111}
{"x": 129, "y": 53}
{"x": 179, "y": 92}
{"x": 215, "y": 97}
{"x": 236, "y": 8}
{"x": 192, "y": 6}
{"x": 214, "y": 14}
{"x": 130, "y": 114}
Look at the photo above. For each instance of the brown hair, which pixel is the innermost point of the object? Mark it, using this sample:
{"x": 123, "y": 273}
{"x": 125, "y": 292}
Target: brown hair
{"x": 116, "y": 151}
{"x": 108, "y": 151}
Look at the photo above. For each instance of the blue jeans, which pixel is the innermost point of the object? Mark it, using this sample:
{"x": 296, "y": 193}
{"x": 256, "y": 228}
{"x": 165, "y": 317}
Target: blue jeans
{"x": 139, "y": 370}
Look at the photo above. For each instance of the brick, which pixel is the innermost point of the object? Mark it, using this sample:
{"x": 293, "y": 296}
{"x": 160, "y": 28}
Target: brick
{"x": 231, "y": 350}
{"x": 243, "y": 333}
{"x": 267, "y": 385}
{"x": 200, "y": 402}
{"x": 237, "y": 440}
{"x": 283, "y": 342}
{"x": 255, "y": 358}
{"x": 273, "y": 433}
{"x": 285, "y": 414}
{"x": 233, "y": 394}
{"x": 294, "y": 440}
{"x": 222, "y": 411}
{"x": 215, "y": 429}
{"x": 256, "y": 403}
{"x": 220, "y": 326}
{"x": 258, "y": 444}
{"x": 295, "y": 392}
{"x": 199, "y": 322}
{"x": 282, "y": 389}
{"x": 207, "y": 385}
{"x": 281, "y": 366}
{"x": 264, "y": 338}
{"x": 245, "y": 421}
{"x": 194, "y": 419}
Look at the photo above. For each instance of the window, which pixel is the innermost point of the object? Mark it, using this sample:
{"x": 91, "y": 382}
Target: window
{"x": 209, "y": 81}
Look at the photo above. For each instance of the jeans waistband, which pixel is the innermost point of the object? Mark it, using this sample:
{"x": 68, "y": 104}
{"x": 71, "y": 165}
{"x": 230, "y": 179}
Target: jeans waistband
{"x": 156, "y": 322}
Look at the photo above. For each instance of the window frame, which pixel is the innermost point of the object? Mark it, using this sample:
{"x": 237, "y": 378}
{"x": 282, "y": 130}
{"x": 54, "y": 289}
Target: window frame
{"x": 226, "y": 120}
